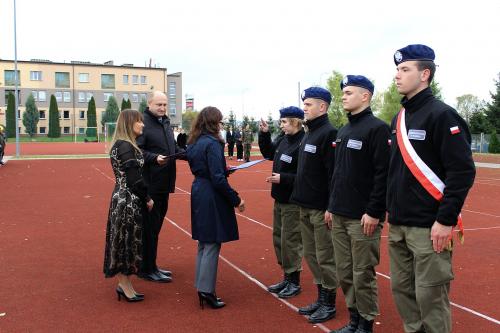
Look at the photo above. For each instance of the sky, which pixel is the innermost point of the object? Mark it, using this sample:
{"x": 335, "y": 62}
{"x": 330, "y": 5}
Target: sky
{"x": 251, "y": 57}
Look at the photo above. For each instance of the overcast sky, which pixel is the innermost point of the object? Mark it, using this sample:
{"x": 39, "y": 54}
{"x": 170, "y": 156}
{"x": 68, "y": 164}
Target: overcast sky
{"x": 250, "y": 56}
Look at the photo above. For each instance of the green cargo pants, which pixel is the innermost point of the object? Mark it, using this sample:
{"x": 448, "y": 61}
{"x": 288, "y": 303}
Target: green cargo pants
{"x": 356, "y": 256}
{"x": 318, "y": 247}
{"x": 246, "y": 151}
{"x": 420, "y": 280}
{"x": 287, "y": 238}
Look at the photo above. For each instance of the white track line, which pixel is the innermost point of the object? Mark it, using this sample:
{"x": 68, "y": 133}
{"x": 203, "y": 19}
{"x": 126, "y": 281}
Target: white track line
{"x": 322, "y": 327}
{"x": 480, "y": 213}
{"x": 251, "y": 278}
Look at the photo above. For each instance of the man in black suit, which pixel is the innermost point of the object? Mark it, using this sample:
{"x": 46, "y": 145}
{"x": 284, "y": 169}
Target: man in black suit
{"x": 158, "y": 146}
{"x": 230, "y": 142}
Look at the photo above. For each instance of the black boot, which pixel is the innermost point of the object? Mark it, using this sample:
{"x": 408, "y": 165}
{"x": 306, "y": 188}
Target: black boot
{"x": 276, "y": 288}
{"x": 293, "y": 287}
{"x": 326, "y": 310}
{"x": 364, "y": 326}
{"x": 311, "y": 308}
{"x": 353, "y": 323}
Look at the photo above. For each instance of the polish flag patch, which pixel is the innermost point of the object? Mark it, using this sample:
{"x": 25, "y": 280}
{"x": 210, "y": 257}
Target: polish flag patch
{"x": 454, "y": 130}
{"x": 334, "y": 144}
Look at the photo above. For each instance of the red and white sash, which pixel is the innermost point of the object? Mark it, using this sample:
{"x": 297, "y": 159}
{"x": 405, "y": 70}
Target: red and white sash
{"x": 421, "y": 171}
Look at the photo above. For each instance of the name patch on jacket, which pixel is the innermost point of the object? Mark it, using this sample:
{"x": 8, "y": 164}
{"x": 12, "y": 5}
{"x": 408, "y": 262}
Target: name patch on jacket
{"x": 354, "y": 144}
{"x": 414, "y": 134}
{"x": 286, "y": 158}
{"x": 310, "y": 148}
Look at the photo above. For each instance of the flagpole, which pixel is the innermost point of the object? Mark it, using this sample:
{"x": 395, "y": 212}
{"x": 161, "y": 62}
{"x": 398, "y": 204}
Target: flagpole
{"x": 16, "y": 91}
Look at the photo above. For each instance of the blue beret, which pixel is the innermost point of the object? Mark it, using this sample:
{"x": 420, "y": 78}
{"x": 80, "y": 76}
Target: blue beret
{"x": 292, "y": 112}
{"x": 414, "y": 52}
{"x": 317, "y": 92}
{"x": 357, "y": 81}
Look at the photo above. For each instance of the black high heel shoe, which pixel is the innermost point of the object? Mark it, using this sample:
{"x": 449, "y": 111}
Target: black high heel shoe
{"x": 119, "y": 289}
{"x": 211, "y": 299}
{"x": 120, "y": 293}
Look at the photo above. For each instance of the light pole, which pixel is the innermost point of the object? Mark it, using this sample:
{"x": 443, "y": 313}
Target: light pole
{"x": 16, "y": 78}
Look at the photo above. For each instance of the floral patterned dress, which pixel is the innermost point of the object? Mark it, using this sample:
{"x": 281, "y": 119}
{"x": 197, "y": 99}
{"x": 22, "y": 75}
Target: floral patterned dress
{"x": 123, "y": 252}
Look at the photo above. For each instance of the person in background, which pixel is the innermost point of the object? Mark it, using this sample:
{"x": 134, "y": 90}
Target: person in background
{"x": 2, "y": 144}
{"x": 287, "y": 238}
{"x": 230, "y": 142}
{"x": 238, "y": 139}
{"x": 182, "y": 139}
{"x": 213, "y": 220}
{"x": 130, "y": 201}
{"x": 247, "y": 138}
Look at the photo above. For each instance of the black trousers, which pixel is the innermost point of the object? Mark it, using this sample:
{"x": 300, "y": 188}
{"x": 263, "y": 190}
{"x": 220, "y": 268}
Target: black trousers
{"x": 239, "y": 151}
{"x": 151, "y": 231}
{"x": 230, "y": 148}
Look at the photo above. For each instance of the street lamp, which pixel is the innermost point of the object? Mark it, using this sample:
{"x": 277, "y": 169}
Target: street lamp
{"x": 16, "y": 79}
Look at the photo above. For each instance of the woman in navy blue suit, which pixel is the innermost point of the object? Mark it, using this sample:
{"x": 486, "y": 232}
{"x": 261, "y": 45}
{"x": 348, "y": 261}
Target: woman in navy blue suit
{"x": 213, "y": 220}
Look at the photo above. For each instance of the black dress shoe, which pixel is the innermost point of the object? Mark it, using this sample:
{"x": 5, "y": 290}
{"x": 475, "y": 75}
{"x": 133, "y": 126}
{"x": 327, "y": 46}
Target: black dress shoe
{"x": 120, "y": 293}
{"x": 211, "y": 299}
{"x": 120, "y": 290}
{"x": 155, "y": 277}
{"x": 165, "y": 272}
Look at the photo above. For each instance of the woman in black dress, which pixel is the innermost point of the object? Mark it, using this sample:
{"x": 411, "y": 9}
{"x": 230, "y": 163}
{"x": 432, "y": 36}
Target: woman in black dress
{"x": 123, "y": 252}
{"x": 213, "y": 220}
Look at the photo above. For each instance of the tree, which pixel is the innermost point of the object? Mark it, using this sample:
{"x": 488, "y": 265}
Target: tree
{"x": 479, "y": 124}
{"x": 91, "y": 119}
{"x": 54, "y": 126}
{"x": 493, "y": 108}
{"x": 377, "y": 103}
{"x": 111, "y": 113}
{"x": 124, "y": 104}
{"x": 254, "y": 127}
{"x": 231, "y": 120}
{"x": 494, "y": 146}
{"x": 31, "y": 116}
{"x": 245, "y": 122}
{"x": 336, "y": 113}
{"x": 467, "y": 105}
{"x": 391, "y": 103}
{"x": 271, "y": 124}
{"x": 436, "y": 90}
{"x": 143, "y": 105}
{"x": 11, "y": 116}
{"x": 187, "y": 119}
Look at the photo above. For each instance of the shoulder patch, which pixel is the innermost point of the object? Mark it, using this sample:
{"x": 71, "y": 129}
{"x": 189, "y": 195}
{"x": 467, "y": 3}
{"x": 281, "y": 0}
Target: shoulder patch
{"x": 454, "y": 130}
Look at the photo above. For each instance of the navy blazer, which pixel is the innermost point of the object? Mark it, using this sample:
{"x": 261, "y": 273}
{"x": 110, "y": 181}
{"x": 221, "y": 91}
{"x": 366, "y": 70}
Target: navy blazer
{"x": 213, "y": 219}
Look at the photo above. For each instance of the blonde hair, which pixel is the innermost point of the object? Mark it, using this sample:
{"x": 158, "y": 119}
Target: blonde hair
{"x": 125, "y": 127}
{"x": 295, "y": 122}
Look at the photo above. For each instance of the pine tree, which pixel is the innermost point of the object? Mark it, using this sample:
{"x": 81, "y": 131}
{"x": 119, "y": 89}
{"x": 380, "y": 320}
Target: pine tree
{"x": 493, "y": 108}
{"x": 54, "y": 126}
{"x": 111, "y": 113}
{"x": 31, "y": 116}
{"x": 91, "y": 119}
{"x": 11, "y": 116}
{"x": 124, "y": 104}
{"x": 494, "y": 146}
{"x": 129, "y": 104}
{"x": 254, "y": 127}
{"x": 271, "y": 124}
{"x": 232, "y": 120}
{"x": 142, "y": 106}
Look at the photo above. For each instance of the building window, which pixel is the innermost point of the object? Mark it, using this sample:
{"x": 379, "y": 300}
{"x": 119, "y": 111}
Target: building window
{"x": 18, "y": 114}
{"x": 66, "y": 114}
{"x": 171, "y": 90}
{"x": 125, "y": 79}
{"x": 41, "y": 114}
{"x": 135, "y": 79}
{"x": 143, "y": 79}
{"x": 135, "y": 98}
{"x": 144, "y": 97}
{"x": 81, "y": 97}
{"x": 82, "y": 114}
{"x": 7, "y": 92}
{"x": 83, "y": 77}
{"x": 42, "y": 96}
{"x": 89, "y": 96}
{"x": 65, "y": 130}
{"x": 62, "y": 79}
{"x": 67, "y": 96}
{"x": 34, "y": 93}
{"x": 107, "y": 81}
{"x": 125, "y": 97}
{"x": 10, "y": 79}
{"x": 172, "y": 109}
{"x": 58, "y": 95}
{"x": 42, "y": 130}
{"x": 81, "y": 130}
{"x": 107, "y": 96}
{"x": 35, "y": 75}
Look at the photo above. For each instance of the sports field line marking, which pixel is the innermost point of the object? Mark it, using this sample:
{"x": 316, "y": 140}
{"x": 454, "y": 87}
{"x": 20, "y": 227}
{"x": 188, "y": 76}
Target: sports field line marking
{"x": 480, "y": 213}
{"x": 250, "y": 277}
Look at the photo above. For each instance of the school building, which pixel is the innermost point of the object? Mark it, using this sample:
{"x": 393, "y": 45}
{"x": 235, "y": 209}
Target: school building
{"x": 74, "y": 83}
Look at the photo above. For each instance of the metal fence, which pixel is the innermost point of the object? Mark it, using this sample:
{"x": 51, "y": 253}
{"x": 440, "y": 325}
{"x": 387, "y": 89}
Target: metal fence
{"x": 480, "y": 143}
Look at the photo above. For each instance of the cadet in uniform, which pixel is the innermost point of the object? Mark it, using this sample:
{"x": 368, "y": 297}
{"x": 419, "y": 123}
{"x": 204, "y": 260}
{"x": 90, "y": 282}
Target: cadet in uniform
{"x": 357, "y": 201}
{"x": 430, "y": 173}
{"x": 311, "y": 193}
{"x": 247, "y": 142}
{"x": 287, "y": 239}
